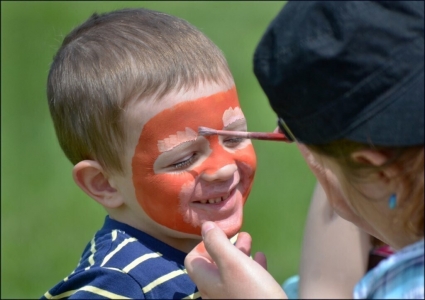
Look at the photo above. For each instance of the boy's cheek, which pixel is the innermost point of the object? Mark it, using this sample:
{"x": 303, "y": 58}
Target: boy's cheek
{"x": 247, "y": 163}
{"x": 163, "y": 186}
{"x": 247, "y": 157}
{"x": 159, "y": 198}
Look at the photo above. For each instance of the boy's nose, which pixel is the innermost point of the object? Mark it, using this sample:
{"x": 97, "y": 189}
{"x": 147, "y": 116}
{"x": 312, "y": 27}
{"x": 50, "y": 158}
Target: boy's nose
{"x": 222, "y": 174}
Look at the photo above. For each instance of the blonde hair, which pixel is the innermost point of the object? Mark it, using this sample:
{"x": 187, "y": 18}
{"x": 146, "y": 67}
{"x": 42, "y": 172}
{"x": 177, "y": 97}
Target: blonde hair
{"x": 110, "y": 59}
{"x": 408, "y": 159}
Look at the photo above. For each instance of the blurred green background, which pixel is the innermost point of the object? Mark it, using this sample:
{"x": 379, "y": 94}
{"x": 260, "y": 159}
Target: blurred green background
{"x": 46, "y": 220}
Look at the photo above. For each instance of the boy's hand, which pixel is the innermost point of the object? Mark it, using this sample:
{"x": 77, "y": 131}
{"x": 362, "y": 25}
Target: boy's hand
{"x": 223, "y": 270}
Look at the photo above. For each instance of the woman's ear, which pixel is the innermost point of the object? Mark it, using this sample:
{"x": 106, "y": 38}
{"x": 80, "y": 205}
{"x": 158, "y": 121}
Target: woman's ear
{"x": 376, "y": 158}
{"x": 92, "y": 179}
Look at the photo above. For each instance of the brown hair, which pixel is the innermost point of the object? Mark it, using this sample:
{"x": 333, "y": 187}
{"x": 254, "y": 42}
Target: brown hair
{"x": 112, "y": 58}
{"x": 408, "y": 159}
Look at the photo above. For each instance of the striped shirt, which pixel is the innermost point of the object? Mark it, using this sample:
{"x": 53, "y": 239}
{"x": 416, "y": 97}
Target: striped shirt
{"x": 123, "y": 262}
{"x": 400, "y": 276}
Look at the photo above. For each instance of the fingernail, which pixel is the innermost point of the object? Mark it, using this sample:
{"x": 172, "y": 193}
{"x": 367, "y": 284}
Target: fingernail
{"x": 207, "y": 226}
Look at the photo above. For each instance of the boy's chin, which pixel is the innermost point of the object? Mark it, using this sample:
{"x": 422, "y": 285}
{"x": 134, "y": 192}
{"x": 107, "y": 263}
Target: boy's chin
{"x": 230, "y": 228}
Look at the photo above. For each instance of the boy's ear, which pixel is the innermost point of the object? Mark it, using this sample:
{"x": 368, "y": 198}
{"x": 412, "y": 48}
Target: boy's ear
{"x": 91, "y": 178}
{"x": 375, "y": 158}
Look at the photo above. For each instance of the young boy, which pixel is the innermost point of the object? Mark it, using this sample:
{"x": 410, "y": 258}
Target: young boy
{"x": 127, "y": 92}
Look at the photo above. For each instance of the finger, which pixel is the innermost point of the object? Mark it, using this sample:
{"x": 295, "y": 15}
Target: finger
{"x": 218, "y": 245}
{"x": 203, "y": 272}
{"x": 260, "y": 258}
{"x": 196, "y": 264}
{"x": 200, "y": 249}
{"x": 244, "y": 242}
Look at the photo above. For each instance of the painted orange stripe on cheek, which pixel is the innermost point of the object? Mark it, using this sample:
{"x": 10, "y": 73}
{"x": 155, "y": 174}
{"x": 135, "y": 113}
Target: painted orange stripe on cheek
{"x": 248, "y": 156}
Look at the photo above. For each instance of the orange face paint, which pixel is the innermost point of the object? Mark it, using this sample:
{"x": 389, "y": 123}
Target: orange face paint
{"x": 201, "y": 248}
{"x": 174, "y": 198}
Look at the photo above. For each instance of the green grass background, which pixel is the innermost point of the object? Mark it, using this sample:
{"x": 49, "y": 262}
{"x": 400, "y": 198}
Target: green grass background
{"x": 46, "y": 220}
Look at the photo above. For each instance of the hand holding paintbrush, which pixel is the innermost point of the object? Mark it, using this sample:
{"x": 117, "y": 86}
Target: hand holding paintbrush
{"x": 269, "y": 136}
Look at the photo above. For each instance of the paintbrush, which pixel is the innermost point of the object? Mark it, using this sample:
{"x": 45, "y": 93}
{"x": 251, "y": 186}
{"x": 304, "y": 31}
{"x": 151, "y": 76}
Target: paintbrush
{"x": 269, "y": 136}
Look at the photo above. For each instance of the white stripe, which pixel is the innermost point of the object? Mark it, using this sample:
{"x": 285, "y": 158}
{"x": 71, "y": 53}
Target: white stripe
{"x": 114, "y": 235}
{"x": 114, "y": 269}
{"x": 193, "y": 296}
{"x": 120, "y": 246}
{"x": 234, "y": 238}
{"x": 163, "y": 279}
{"x": 101, "y": 292}
{"x": 139, "y": 260}
{"x": 93, "y": 251}
{"x": 87, "y": 288}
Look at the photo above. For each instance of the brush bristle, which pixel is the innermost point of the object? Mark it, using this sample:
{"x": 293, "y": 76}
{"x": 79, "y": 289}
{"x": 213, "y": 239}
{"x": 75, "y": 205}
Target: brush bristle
{"x": 205, "y": 131}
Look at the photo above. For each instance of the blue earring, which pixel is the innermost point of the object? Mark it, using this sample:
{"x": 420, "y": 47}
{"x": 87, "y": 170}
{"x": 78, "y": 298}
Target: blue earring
{"x": 392, "y": 202}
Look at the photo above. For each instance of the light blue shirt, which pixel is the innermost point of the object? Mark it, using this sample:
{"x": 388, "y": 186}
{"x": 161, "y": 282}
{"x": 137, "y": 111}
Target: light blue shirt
{"x": 400, "y": 276}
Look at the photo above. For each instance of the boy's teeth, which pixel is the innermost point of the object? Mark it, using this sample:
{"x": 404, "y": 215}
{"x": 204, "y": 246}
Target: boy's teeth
{"x": 212, "y": 200}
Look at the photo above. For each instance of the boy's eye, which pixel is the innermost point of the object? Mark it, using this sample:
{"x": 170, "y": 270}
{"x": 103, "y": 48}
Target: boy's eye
{"x": 233, "y": 141}
{"x": 186, "y": 162}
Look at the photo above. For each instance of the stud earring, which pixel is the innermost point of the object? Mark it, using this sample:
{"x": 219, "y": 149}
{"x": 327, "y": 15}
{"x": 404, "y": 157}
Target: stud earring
{"x": 392, "y": 202}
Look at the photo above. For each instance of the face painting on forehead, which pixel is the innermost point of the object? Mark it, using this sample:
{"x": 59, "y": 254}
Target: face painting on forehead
{"x": 173, "y": 198}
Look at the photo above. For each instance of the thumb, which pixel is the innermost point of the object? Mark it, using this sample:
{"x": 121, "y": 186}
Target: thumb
{"x": 217, "y": 244}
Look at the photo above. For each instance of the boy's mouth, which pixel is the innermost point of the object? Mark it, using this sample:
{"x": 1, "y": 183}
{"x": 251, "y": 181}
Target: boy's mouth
{"x": 216, "y": 200}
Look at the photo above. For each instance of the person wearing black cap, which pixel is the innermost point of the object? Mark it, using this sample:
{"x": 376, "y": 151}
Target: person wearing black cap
{"x": 346, "y": 80}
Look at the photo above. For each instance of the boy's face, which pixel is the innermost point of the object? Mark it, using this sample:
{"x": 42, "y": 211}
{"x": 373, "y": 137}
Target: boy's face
{"x": 181, "y": 179}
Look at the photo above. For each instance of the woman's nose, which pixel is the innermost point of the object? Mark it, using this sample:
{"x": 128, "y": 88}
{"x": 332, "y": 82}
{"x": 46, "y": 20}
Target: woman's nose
{"x": 222, "y": 174}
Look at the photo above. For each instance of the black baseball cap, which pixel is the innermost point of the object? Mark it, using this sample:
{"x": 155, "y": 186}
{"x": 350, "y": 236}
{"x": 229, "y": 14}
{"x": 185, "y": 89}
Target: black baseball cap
{"x": 346, "y": 70}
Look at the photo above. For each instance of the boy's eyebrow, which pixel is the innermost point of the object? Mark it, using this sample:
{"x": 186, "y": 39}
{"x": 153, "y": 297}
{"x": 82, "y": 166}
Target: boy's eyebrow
{"x": 233, "y": 116}
{"x": 173, "y": 141}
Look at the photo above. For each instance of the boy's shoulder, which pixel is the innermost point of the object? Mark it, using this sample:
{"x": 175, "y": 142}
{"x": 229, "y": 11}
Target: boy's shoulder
{"x": 116, "y": 249}
{"x": 128, "y": 263}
